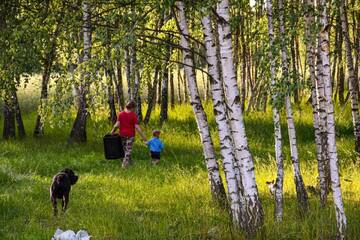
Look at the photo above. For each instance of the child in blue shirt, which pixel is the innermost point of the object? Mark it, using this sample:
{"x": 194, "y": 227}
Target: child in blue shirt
{"x": 156, "y": 146}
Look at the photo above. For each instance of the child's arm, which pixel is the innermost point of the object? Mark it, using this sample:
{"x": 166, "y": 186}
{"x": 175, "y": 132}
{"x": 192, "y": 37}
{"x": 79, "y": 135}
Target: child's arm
{"x": 161, "y": 145}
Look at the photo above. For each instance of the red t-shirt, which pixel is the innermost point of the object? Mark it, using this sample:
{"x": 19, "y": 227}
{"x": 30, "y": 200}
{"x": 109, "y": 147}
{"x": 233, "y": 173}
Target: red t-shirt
{"x": 127, "y": 123}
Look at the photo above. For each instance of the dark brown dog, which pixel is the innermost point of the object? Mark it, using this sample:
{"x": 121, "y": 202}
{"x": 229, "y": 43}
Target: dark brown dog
{"x": 60, "y": 188}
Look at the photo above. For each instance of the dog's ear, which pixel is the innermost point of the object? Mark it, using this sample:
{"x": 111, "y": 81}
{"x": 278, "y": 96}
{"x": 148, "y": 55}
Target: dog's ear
{"x": 68, "y": 171}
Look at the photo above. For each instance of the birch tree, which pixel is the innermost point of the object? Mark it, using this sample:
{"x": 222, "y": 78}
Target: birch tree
{"x": 78, "y": 131}
{"x": 331, "y": 140}
{"x": 279, "y": 211}
{"x": 47, "y": 64}
{"x": 217, "y": 188}
{"x": 253, "y": 209}
{"x": 319, "y": 127}
{"x": 165, "y": 86}
{"x": 352, "y": 78}
{"x": 226, "y": 144}
{"x": 299, "y": 184}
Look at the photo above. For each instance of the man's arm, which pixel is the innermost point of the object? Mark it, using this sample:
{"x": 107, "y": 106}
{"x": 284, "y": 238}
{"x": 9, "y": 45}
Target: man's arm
{"x": 138, "y": 129}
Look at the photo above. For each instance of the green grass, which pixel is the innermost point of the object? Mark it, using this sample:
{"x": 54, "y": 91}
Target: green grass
{"x": 169, "y": 201}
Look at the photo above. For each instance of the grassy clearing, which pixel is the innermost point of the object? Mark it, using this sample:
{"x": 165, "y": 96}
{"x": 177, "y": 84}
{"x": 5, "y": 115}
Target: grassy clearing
{"x": 170, "y": 201}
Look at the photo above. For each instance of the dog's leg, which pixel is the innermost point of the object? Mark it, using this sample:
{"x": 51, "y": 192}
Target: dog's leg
{"x": 65, "y": 202}
{"x": 54, "y": 203}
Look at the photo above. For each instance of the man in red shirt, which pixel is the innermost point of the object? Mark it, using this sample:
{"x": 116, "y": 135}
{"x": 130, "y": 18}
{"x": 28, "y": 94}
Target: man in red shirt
{"x": 127, "y": 123}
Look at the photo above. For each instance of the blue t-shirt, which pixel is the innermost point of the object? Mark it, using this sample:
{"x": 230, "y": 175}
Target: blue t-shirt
{"x": 155, "y": 145}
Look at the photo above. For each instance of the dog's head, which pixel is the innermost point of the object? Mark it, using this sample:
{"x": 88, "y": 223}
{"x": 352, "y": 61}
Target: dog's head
{"x": 271, "y": 186}
{"x": 70, "y": 173}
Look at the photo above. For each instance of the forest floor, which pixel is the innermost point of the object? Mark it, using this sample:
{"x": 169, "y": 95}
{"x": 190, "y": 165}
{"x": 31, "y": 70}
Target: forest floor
{"x": 168, "y": 201}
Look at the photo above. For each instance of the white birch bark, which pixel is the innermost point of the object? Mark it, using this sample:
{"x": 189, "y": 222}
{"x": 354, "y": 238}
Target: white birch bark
{"x": 322, "y": 113}
{"x": 332, "y": 151}
{"x": 78, "y": 131}
{"x": 279, "y": 212}
{"x": 352, "y": 79}
{"x": 128, "y": 67}
{"x": 299, "y": 184}
{"x": 217, "y": 188}
{"x": 321, "y": 147}
{"x": 254, "y": 212}
{"x": 226, "y": 143}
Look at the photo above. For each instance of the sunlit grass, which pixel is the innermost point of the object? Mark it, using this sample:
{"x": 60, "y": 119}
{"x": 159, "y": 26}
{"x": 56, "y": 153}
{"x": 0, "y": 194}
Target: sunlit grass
{"x": 169, "y": 201}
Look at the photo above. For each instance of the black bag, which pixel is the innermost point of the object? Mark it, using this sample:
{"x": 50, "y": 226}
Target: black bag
{"x": 113, "y": 147}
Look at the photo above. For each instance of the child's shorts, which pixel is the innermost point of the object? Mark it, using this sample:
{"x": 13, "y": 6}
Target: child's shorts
{"x": 155, "y": 155}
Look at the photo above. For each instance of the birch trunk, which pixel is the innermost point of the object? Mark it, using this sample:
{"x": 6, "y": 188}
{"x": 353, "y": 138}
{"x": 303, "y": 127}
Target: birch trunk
{"x": 334, "y": 170}
{"x": 78, "y": 132}
{"x": 135, "y": 74}
{"x": 111, "y": 98}
{"x": 18, "y": 117}
{"x": 9, "y": 116}
{"x": 152, "y": 96}
{"x": 179, "y": 80}
{"x": 165, "y": 87}
{"x": 253, "y": 214}
{"x": 299, "y": 184}
{"x": 217, "y": 188}
{"x": 321, "y": 147}
{"x": 172, "y": 89}
{"x": 226, "y": 144}
{"x": 118, "y": 82}
{"x": 48, "y": 62}
{"x": 128, "y": 69}
{"x": 352, "y": 79}
{"x": 279, "y": 211}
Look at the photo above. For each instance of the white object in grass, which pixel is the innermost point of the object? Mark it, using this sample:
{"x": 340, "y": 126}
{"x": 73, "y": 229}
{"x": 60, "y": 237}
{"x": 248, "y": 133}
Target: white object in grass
{"x": 70, "y": 235}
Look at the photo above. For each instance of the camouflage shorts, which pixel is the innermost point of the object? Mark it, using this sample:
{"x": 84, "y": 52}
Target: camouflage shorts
{"x": 127, "y": 143}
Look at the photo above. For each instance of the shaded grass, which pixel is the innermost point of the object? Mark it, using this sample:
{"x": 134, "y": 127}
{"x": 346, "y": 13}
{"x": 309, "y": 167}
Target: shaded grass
{"x": 170, "y": 201}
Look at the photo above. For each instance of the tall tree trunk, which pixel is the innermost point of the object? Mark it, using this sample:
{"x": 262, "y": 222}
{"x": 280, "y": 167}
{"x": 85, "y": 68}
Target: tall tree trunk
{"x": 179, "y": 80}
{"x": 352, "y": 79}
{"x": 135, "y": 74}
{"x": 159, "y": 88}
{"x": 165, "y": 87}
{"x": 217, "y": 187}
{"x": 118, "y": 82}
{"x": 9, "y": 116}
{"x": 279, "y": 210}
{"x": 172, "y": 89}
{"x": 128, "y": 68}
{"x": 299, "y": 184}
{"x": 295, "y": 73}
{"x": 326, "y": 76}
{"x": 110, "y": 78}
{"x": 243, "y": 66}
{"x": 320, "y": 138}
{"x": 204, "y": 86}
{"x": 253, "y": 209}
{"x": 152, "y": 95}
{"x": 226, "y": 144}
{"x": 321, "y": 101}
{"x": 110, "y": 91}
{"x": 186, "y": 95}
{"x": 18, "y": 117}
{"x": 78, "y": 131}
{"x": 49, "y": 59}
{"x": 340, "y": 66}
